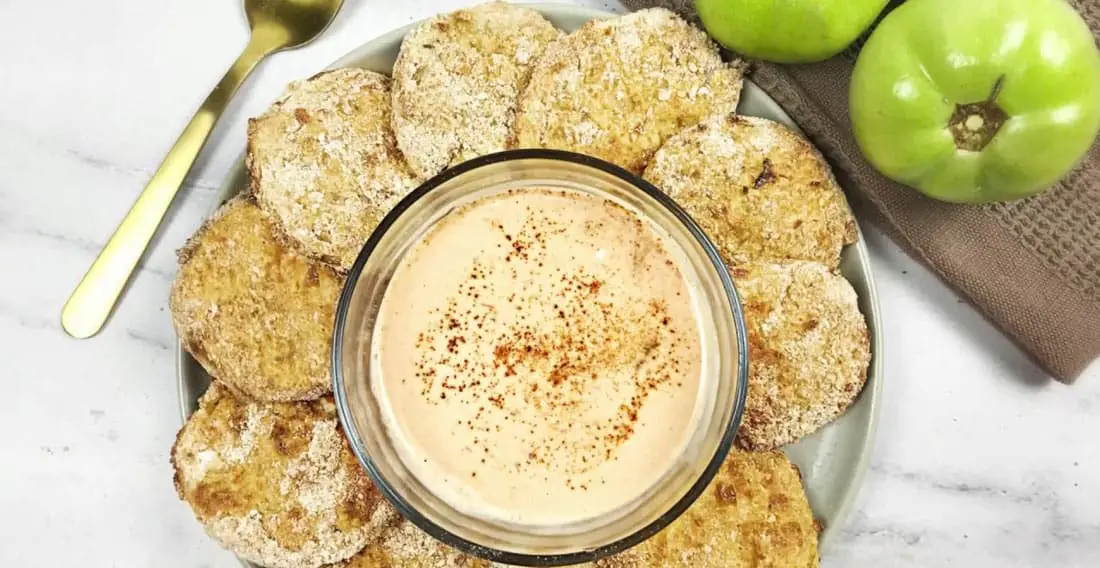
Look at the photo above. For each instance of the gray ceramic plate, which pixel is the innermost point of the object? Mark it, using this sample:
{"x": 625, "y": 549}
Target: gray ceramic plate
{"x": 833, "y": 460}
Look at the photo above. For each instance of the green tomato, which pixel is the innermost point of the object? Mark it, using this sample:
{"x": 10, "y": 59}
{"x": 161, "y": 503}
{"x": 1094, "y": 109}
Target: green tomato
{"x": 977, "y": 100}
{"x": 787, "y": 31}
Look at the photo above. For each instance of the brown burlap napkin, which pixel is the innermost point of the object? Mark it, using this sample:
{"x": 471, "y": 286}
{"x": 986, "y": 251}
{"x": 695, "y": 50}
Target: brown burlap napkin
{"x": 1031, "y": 266}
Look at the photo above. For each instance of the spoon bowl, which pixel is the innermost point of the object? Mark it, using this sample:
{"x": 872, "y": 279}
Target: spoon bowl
{"x": 297, "y": 22}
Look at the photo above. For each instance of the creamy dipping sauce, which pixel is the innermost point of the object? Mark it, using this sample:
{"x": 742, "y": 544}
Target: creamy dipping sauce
{"x": 537, "y": 357}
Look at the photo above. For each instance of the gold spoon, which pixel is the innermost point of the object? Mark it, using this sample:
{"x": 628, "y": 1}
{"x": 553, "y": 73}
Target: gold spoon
{"x": 276, "y": 25}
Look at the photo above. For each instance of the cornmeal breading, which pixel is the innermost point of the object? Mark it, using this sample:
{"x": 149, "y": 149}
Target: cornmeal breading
{"x": 403, "y": 545}
{"x": 323, "y": 162}
{"x": 456, "y": 81}
{"x": 264, "y": 463}
{"x": 758, "y": 189}
{"x": 617, "y": 89}
{"x": 809, "y": 349}
{"x": 276, "y": 483}
{"x": 753, "y": 515}
{"x": 257, "y": 315}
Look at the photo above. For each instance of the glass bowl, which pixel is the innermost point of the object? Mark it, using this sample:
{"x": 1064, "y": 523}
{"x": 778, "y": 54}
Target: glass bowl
{"x": 724, "y": 378}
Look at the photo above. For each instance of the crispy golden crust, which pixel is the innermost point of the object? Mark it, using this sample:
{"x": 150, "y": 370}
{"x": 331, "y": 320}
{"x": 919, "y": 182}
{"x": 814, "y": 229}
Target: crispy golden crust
{"x": 403, "y": 545}
{"x": 759, "y": 190}
{"x": 753, "y": 515}
{"x": 809, "y": 349}
{"x": 276, "y": 483}
{"x": 324, "y": 163}
{"x": 616, "y": 89}
{"x": 456, "y": 81}
{"x": 255, "y": 314}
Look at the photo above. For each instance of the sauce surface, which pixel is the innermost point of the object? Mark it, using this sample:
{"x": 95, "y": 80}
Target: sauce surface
{"x": 537, "y": 357}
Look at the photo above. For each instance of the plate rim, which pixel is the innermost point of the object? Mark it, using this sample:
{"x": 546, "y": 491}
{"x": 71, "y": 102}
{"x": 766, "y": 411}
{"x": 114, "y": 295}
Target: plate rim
{"x": 871, "y": 394}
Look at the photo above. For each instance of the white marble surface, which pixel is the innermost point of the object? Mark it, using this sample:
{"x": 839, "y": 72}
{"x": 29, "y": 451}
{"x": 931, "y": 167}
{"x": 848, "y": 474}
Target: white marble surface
{"x": 981, "y": 460}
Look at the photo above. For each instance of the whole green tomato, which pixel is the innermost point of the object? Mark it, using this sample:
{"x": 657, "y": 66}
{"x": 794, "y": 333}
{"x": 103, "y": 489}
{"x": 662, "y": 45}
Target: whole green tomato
{"x": 787, "y": 31}
{"x": 977, "y": 100}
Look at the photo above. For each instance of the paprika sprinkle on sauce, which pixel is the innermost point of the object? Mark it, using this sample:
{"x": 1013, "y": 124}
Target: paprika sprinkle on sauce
{"x": 540, "y": 357}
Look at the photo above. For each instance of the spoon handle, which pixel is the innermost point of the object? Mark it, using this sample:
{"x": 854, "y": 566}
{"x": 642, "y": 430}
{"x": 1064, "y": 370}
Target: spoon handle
{"x": 91, "y": 303}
